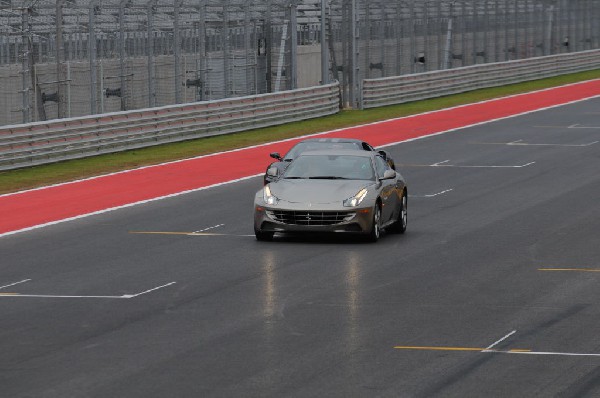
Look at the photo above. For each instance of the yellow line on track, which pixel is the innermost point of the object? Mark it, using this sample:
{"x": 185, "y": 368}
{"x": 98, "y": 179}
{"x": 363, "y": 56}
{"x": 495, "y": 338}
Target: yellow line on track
{"x": 9, "y": 294}
{"x": 425, "y": 348}
{"x": 439, "y": 348}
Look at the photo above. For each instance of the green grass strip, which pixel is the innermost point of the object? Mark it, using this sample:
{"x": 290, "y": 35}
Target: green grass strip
{"x": 32, "y": 177}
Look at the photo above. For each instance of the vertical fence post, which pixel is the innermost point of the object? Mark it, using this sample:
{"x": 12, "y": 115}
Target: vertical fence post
{"x": 226, "y": 50}
{"x": 151, "y": 86}
{"x": 548, "y": 31}
{"x": 201, "y": 72}
{"x": 399, "y": 37}
{"x": 269, "y": 46}
{"x": 354, "y": 55}
{"x": 60, "y": 55}
{"x": 293, "y": 69}
{"x": 92, "y": 56}
{"x": 382, "y": 25}
{"x": 122, "y": 80}
{"x": 68, "y": 89}
{"x": 248, "y": 67}
{"x": 448, "y": 48}
{"x": 25, "y": 65}
{"x": 177, "y": 51}
{"x": 324, "y": 46}
{"x": 367, "y": 39}
{"x": 413, "y": 37}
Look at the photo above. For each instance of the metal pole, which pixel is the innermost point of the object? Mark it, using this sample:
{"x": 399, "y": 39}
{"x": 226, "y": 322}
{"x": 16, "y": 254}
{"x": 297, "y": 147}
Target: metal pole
{"x": 367, "y": 39}
{"x": 200, "y": 63}
{"x": 92, "y": 56}
{"x": 382, "y": 37}
{"x": 226, "y": 51}
{"x": 268, "y": 46}
{"x": 448, "y": 49}
{"x": 354, "y": 55}
{"x": 548, "y": 41}
{"x": 151, "y": 87}
{"x": 293, "y": 72}
{"x": 68, "y": 89}
{"x": 399, "y": 37}
{"x": 506, "y": 19}
{"x": 25, "y": 66}
{"x": 122, "y": 54}
{"x": 324, "y": 46}
{"x": 177, "y": 51}
{"x": 413, "y": 39}
{"x": 516, "y": 28}
{"x": 249, "y": 65}
{"x": 60, "y": 55}
{"x": 102, "y": 92}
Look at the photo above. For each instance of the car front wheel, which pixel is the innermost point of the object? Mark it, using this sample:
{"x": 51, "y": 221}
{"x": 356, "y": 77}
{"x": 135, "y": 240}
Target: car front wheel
{"x": 399, "y": 226}
{"x": 376, "y": 227}
{"x": 263, "y": 236}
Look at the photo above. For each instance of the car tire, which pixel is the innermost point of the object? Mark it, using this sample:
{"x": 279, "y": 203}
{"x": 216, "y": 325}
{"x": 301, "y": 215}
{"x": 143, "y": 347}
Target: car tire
{"x": 376, "y": 226}
{"x": 262, "y": 236}
{"x": 399, "y": 227}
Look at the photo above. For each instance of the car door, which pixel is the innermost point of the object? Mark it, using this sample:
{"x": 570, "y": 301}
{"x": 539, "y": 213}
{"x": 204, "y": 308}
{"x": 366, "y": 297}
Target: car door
{"x": 388, "y": 194}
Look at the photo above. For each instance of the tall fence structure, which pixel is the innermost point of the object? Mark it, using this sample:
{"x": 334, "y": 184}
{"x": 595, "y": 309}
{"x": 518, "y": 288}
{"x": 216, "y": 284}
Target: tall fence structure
{"x": 68, "y": 58}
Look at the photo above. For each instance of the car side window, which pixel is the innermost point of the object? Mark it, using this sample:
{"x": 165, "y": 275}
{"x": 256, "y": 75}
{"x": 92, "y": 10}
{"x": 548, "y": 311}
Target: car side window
{"x": 367, "y": 147}
{"x": 381, "y": 166}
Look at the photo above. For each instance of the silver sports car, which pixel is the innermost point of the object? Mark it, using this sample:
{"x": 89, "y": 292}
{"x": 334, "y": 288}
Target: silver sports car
{"x": 346, "y": 191}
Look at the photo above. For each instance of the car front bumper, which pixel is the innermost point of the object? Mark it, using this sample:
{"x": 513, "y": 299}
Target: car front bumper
{"x": 325, "y": 218}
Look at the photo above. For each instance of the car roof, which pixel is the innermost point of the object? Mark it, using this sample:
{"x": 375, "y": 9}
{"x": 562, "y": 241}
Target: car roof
{"x": 347, "y": 152}
{"x": 334, "y": 140}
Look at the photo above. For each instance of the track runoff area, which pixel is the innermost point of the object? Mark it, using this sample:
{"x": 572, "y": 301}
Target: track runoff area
{"x": 36, "y": 208}
{"x": 493, "y": 291}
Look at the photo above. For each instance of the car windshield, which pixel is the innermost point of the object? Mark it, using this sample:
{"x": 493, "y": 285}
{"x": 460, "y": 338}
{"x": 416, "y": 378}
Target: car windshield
{"x": 317, "y": 146}
{"x": 334, "y": 167}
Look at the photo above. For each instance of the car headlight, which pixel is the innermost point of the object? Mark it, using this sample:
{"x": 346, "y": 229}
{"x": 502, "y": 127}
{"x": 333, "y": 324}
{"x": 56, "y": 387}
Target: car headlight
{"x": 268, "y": 197}
{"x": 356, "y": 199}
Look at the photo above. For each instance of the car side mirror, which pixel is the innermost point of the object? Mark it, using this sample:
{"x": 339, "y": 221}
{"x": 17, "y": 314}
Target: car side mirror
{"x": 275, "y": 155}
{"x": 389, "y": 174}
{"x": 272, "y": 172}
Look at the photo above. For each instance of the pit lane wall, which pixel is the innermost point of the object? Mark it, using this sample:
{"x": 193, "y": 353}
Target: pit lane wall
{"x": 416, "y": 87}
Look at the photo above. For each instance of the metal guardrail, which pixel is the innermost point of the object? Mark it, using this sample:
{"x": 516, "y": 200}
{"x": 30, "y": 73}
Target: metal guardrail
{"x": 415, "y": 87}
{"x": 61, "y": 139}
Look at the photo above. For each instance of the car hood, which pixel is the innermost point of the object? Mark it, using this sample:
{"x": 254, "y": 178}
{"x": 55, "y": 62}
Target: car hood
{"x": 317, "y": 191}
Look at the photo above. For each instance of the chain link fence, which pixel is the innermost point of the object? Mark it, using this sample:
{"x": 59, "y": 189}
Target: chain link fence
{"x": 68, "y": 58}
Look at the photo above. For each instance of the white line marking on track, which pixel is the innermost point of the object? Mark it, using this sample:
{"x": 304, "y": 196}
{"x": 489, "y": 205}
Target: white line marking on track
{"x": 431, "y": 195}
{"x": 570, "y": 354}
{"x": 577, "y": 126}
{"x": 445, "y": 164}
{"x": 566, "y": 145}
{"x": 124, "y": 296}
{"x": 148, "y": 291}
{"x": 499, "y": 341}
{"x": 206, "y": 229}
{"x": 16, "y": 283}
{"x": 571, "y": 127}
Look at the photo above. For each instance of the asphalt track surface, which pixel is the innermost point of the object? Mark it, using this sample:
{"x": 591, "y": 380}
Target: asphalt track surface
{"x": 492, "y": 292}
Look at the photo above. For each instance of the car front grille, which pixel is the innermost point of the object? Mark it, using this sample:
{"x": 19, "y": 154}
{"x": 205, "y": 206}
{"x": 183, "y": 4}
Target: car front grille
{"x": 314, "y": 218}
